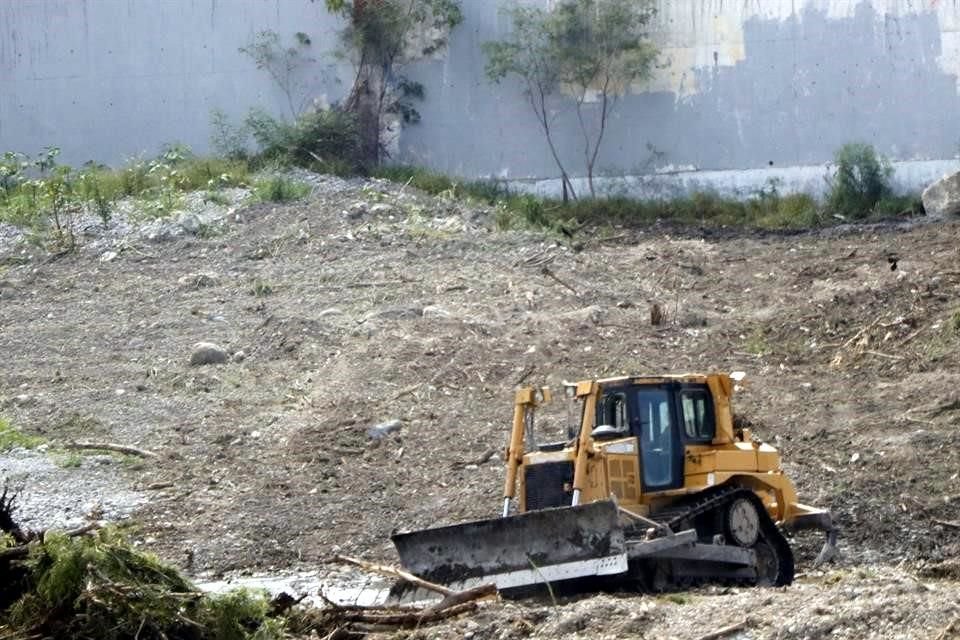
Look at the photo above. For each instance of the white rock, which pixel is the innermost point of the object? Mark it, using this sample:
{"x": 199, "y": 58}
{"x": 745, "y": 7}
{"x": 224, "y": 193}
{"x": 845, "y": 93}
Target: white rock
{"x": 434, "y": 311}
{"x": 942, "y": 198}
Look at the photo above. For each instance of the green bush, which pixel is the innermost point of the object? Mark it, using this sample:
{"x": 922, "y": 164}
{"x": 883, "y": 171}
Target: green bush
{"x": 280, "y": 189}
{"x": 861, "y": 181}
{"x": 322, "y": 139}
{"x": 100, "y": 587}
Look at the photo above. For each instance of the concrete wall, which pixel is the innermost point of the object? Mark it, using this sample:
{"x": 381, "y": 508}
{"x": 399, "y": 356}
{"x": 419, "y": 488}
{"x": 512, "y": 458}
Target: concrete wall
{"x": 106, "y": 80}
{"x": 749, "y": 90}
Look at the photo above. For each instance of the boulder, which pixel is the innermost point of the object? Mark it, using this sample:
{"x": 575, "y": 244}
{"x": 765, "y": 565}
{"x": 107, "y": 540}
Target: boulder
{"x": 942, "y": 198}
{"x": 207, "y": 353}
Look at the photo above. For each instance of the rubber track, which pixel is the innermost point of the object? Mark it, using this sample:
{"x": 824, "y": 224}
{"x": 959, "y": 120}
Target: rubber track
{"x": 716, "y": 499}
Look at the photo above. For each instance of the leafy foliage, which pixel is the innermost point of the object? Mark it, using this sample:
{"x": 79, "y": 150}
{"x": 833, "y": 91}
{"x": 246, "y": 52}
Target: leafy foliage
{"x": 593, "y": 50}
{"x": 100, "y": 587}
{"x": 280, "y": 189}
{"x": 861, "y": 181}
{"x": 380, "y": 37}
{"x": 11, "y": 437}
{"x": 326, "y": 140}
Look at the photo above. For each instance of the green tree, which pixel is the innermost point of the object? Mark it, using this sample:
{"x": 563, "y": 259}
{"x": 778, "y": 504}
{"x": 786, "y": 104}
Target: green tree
{"x": 861, "y": 181}
{"x": 380, "y": 38}
{"x": 589, "y": 52}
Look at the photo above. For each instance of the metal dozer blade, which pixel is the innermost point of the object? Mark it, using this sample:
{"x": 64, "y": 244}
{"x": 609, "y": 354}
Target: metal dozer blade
{"x": 519, "y": 551}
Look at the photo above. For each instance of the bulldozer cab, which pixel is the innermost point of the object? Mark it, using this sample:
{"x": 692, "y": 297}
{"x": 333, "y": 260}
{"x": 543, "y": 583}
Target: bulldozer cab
{"x": 664, "y": 417}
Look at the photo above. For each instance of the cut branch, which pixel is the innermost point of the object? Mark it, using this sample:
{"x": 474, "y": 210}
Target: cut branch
{"x": 394, "y": 572}
{"x": 110, "y": 446}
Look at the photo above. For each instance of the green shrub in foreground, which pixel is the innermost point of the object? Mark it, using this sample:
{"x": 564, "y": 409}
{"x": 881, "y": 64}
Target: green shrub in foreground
{"x": 100, "y": 587}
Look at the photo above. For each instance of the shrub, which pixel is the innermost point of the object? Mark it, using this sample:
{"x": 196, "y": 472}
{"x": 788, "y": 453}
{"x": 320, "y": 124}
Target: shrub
{"x": 862, "y": 179}
{"x": 324, "y": 138}
{"x": 280, "y": 189}
{"x": 100, "y": 587}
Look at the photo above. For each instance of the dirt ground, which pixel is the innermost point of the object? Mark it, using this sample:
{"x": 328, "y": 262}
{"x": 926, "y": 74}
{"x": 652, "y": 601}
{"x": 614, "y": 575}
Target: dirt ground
{"x": 372, "y": 303}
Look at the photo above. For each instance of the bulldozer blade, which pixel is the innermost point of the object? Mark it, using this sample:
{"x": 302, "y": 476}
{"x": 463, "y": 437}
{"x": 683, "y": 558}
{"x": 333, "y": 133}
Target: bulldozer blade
{"x": 822, "y": 520}
{"x": 518, "y": 551}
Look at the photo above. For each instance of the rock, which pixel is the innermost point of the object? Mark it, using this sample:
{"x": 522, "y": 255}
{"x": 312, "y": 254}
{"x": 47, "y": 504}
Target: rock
{"x": 107, "y": 256}
{"x": 434, "y": 311}
{"x": 356, "y": 211}
{"x": 240, "y": 356}
{"x": 942, "y": 198}
{"x": 207, "y": 353}
{"x": 382, "y": 430}
{"x": 190, "y": 222}
{"x": 396, "y": 313}
{"x": 198, "y": 280}
{"x": 592, "y": 314}
{"x": 382, "y": 209}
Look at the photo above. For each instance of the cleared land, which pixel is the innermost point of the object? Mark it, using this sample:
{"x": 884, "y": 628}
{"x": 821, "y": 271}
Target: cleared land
{"x": 340, "y": 317}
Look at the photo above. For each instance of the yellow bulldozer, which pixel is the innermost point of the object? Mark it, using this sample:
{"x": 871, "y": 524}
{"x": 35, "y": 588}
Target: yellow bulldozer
{"x": 655, "y": 486}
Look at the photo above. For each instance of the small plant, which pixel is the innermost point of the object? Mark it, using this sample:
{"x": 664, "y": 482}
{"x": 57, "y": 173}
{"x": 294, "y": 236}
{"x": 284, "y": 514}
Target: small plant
{"x": 69, "y": 460}
{"x": 261, "y": 288}
{"x": 756, "y": 343}
{"x": 227, "y": 139}
{"x": 280, "y": 189}
{"x": 13, "y": 438}
{"x": 861, "y": 181}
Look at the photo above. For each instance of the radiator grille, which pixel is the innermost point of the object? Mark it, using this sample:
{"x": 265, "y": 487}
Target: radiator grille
{"x": 545, "y": 485}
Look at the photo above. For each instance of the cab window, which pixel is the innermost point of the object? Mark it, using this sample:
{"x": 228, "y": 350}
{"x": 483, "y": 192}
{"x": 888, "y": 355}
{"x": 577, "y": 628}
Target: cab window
{"x": 696, "y": 411}
{"x": 612, "y": 410}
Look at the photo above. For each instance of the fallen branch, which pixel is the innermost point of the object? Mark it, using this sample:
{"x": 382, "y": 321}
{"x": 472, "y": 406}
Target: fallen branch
{"x": 883, "y": 355}
{"x": 947, "y": 523}
{"x": 949, "y": 630}
{"x": 394, "y": 572}
{"x": 460, "y": 598}
{"x": 409, "y": 619}
{"x": 110, "y": 446}
{"x": 550, "y": 274}
{"x": 23, "y": 550}
{"x": 725, "y": 631}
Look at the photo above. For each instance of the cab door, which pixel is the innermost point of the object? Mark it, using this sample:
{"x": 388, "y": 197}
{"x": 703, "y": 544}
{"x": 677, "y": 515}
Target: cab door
{"x": 654, "y": 422}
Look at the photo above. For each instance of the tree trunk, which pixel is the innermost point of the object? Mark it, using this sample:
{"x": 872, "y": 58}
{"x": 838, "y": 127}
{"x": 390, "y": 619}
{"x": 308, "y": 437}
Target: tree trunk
{"x": 366, "y": 106}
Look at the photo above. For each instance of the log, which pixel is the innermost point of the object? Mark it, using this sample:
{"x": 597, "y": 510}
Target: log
{"x": 394, "y": 572}
{"x": 725, "y": 631}
{"x": 461, "y": 597}
{"x": 110, "y": 446}
{"x": 409, "y": 619}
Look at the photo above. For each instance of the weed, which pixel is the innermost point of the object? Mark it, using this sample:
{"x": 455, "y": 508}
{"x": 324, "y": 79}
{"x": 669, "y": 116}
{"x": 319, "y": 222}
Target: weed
{"x": 953, "y": 323}
{"x": 68, "y": 460}
{"x": 261, "y": 288}
{"x": 861, "y": 181}
{"x": 677, "y": 598}
{"x": 227, "y": 139}
{"x": 280, "y": 189}
{"x": 216, "y": 198}
{"x": 13, "y": 438}
{"x": 756, "y": 343}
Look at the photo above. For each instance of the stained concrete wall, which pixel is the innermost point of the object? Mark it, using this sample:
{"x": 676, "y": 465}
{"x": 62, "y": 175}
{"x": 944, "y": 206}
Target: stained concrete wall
{"x": 749, "y": 90}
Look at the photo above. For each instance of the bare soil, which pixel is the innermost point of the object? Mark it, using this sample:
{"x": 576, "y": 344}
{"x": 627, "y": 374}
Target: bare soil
{"x": 339, "y": 319}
